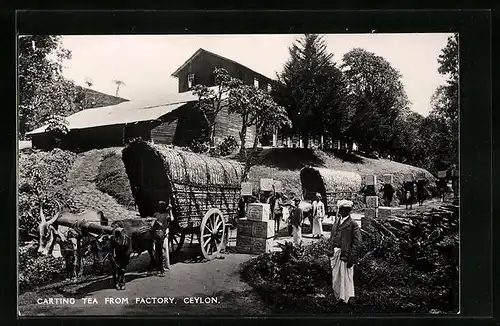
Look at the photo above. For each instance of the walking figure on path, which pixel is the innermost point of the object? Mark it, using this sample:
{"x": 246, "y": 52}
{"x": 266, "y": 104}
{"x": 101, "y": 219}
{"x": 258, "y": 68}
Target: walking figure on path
{"x": 296, "y": 218}
{"x": 318, "y": 212}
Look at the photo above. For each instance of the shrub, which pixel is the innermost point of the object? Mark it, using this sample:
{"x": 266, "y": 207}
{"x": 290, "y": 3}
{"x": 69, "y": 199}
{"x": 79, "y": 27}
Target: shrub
{"x": 391, "y": 275}
{"x": 34, "y": 270}
{"x": 41, "y": 175}
{"x": 227, "y": 146}
{"x": 199, "y": 146}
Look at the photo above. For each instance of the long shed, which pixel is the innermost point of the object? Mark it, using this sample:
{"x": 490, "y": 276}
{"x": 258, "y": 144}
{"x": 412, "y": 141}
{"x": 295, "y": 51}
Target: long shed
{"x": 333, "y": 185}
{"x": 174, "y": 119}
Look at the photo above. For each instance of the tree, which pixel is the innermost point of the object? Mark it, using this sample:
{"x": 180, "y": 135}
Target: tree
{"x": 311, "y": 89}
{"x": 375, "y": 99}
{"x": 118, "y": 83}
{"x": 256, "y": 108}
{"x": 210, "y": 101}
{"x": 42, "y": 90}
{"x": 445, "y": 101}
{"x": 89, "y": 82}
{"x": 57, "y": 128}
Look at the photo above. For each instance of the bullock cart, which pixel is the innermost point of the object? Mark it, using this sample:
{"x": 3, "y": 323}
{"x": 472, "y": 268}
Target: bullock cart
{"x": 203, "y": 191}
{"x": 333, "y": 185}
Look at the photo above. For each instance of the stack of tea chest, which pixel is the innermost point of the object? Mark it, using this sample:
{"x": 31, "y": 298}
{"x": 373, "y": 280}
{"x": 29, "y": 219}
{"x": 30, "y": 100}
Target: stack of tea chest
{"x": 373, "y": 210}
{"x": 255, "y": 232}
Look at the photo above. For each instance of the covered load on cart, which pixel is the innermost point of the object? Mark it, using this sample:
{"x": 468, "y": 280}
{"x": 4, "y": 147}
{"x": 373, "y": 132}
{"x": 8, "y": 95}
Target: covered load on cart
{"x": 333, "y": 185}
{"x": 203, "y": 191}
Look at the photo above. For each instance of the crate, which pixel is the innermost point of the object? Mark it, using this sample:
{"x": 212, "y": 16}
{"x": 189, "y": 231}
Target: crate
{"x": 384, "y": 212}
{"x": 258, "y": 212}
{"x": 261, "y": 246}
{"x": 246, "y": 188}
{"x": 370, "y": 180}
{"x": 357, "y": 218}
{"x": 441, "y": 174}
{"x": 243, "y": 244}
{"x": 245, "y": 227}
{"x": 408, "y": 177}
{"x": 278, "y": 187}
{"x": 262, "y": 229}
{"x": 420, "y": 176}
{"x": 388, "y": 179}
{"x": 371, "y": 212}
{"x": 266, "y": 184}
{"x": 372, "y": 201}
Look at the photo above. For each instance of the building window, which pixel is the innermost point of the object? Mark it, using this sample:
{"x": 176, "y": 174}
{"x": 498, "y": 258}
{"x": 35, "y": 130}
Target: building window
{"x": 256, "y": 82}
{"x": 269, "y": 88}
{"x": 190, "y": 80}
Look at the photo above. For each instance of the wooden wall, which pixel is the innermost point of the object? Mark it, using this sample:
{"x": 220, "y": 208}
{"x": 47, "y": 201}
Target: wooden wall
{"x": 164, "y": 133}
{"x": 230, "y": 124}
{"x": 204, "y": 64}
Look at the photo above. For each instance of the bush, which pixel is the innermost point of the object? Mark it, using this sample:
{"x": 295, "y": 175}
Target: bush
{"x": 391, "y": 275}
{"x": 41, "y": 175}
{"x": 34, "y": 270}
{"x": 227, "y": 146}
{"x": 199, "y": 146}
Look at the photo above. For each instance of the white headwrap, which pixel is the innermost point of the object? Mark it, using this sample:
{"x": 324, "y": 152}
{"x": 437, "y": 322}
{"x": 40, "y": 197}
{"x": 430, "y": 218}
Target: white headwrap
{"x": 344, "y": 203}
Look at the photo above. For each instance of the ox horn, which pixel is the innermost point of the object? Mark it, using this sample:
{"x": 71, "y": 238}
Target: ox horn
{"x": 56, "y": 216}
{"x": 42, "y": 216}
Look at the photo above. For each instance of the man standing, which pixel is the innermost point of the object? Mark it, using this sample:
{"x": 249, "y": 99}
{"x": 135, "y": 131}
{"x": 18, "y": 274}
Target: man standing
{"x": 276, "y": 206}
{"x": 388, "y": 194}
{"x": 163, "y": 216}
{"x": 344, "y": 242}
{"x": 296, "y": 221}
{"x": 318, "y": 215}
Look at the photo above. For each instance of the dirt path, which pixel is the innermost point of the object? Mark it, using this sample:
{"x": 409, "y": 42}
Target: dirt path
{"x": 186, "y": 283}
{"x": 217, "y": 280}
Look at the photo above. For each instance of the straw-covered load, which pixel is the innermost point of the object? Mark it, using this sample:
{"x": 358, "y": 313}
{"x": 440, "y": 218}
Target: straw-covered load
{"x": 191, "y": 182}
{"x": 333, "y": 185}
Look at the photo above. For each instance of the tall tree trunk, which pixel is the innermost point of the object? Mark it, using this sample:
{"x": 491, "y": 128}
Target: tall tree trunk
{"x": 212, "y": 135}
{"x": 243, "y": 135}
{"x": 249, "y": 158}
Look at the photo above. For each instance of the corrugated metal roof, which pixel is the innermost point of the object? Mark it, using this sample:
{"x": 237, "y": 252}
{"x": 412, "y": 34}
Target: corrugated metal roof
{"x": 126, "y": 112}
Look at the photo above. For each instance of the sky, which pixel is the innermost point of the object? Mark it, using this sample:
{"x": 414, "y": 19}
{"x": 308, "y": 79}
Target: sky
{"x": 145, "y": 62}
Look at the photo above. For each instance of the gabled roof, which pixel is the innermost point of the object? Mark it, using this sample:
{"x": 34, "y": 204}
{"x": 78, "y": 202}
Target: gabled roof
{"x": 125, "y": 112}
{"x": 200, "y": 51}
{"x": 96, "y": 99}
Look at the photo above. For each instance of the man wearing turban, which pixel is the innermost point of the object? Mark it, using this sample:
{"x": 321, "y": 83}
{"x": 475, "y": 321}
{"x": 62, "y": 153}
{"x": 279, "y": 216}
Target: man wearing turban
{"x": 344, "y": 242}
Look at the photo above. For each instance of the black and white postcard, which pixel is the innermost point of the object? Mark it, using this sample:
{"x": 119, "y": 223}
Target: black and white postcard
{"x": 238, "y": 174}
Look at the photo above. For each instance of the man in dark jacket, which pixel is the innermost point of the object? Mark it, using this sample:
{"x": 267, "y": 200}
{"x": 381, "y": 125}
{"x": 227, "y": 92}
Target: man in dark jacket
{"x": 164, "y": 217}
{"x": 344, "y": 243}
{"x": 296, "y": 218}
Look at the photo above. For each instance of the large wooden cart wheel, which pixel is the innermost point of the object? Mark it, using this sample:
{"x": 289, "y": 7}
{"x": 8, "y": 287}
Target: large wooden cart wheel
{"x": 212, "y": 233}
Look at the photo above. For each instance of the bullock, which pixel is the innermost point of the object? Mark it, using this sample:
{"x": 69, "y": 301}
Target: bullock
{"x": 133, "y": 236}
{"x": 62, "y": 241}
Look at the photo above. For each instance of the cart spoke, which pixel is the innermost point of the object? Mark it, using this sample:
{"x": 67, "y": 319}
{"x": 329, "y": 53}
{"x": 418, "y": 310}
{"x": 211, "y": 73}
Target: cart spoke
{"x": 219, "y": 223}
{"x": 207, "y": 243}
{"x": 206, "y": 235}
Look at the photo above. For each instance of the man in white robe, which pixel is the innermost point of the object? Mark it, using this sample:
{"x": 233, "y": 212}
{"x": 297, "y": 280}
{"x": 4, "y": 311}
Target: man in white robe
{"x": 344, "y": 243}
{"x": 318, "y": 215}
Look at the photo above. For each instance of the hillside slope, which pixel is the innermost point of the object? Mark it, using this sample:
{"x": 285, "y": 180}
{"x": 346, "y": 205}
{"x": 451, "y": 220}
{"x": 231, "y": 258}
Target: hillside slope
{"x": 285, "y": 164}
{"x": 82, "y": 191}
{"x": 279, "y": 164}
